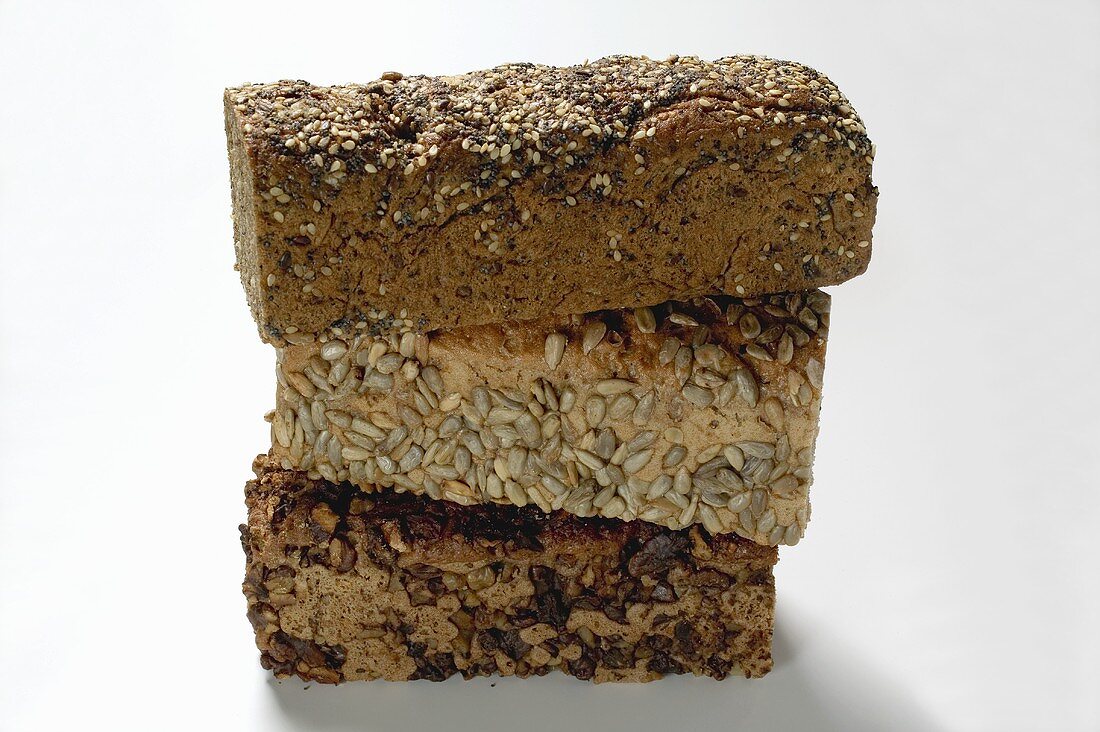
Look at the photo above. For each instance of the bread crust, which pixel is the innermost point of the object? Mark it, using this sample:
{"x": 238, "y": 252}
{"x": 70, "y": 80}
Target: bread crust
{"x": 526, "y": 190}
{"x": 342, "y": 585}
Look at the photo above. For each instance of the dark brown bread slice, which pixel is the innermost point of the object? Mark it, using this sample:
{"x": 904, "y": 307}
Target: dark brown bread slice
{"x": 526, "y": 190}
{"x": 343, "y": 585}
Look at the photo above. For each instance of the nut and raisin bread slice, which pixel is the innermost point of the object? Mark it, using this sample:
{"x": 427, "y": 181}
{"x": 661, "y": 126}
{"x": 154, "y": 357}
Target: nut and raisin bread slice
{"x": 703, "y": 412}
{"x": 344, "y": 585}
{"x": 527, "y": 190}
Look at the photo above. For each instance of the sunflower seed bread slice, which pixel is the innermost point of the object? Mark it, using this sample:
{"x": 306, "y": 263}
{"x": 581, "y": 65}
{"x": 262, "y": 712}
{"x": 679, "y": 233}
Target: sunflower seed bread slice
{"x": 701, "y": 412}
{"x": 527, "y": 190}
{"x": 344, "y": 585}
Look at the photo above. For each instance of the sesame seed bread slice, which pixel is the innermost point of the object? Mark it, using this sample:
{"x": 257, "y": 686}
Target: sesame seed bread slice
{"x": 525, "y": 190}
{"x": 344, "y": 585}
{"x": 702, "y": 412}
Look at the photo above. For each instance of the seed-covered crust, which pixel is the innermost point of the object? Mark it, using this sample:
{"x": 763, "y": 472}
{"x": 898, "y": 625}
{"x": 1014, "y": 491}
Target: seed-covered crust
{"x": 525, "y": 190}
{"x": 344, "y": 585}
{"x": 702, "y": 412}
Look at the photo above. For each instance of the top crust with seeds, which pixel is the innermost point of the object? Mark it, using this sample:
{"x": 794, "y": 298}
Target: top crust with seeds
{"x": 524, "y": 190}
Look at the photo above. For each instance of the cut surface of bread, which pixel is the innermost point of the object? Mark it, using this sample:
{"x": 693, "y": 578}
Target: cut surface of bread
{"x": 344, "y": 585}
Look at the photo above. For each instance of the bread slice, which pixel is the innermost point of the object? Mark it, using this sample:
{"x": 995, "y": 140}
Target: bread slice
{"x": 344, "y": 585}
{"x": 702, "y": 412}
{"x": 524, "y": 190}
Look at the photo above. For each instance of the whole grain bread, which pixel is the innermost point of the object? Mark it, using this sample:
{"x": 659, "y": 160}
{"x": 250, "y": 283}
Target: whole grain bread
{"x": 343, "y": 585}
{"x": 699, "y": 412}
{"x": 527, "y": 190}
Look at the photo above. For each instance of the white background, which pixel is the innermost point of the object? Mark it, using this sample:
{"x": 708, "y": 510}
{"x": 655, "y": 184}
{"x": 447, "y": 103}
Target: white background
{"x": 949, "y": 577}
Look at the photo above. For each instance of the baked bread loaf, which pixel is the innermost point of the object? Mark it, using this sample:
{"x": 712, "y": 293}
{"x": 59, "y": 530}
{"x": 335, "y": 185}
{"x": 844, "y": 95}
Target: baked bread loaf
{"x": 524, "y": 190}
{"x": 702, "y": 412}
{"x": 344, "y": 585}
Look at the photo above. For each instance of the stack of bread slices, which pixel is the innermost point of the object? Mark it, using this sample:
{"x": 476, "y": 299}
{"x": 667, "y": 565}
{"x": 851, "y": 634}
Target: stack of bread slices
{"x": 549, "y": 360}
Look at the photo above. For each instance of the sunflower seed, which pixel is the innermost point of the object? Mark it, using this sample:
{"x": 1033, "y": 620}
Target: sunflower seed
{"x": 799, "y": 336}
{"x": 674, "y": 456}
{"x": 333, "y": 350}
{"x": 641, "y": 441}
{"x": 593, "y": 334}
{"x": 819, "y": 301}
{"x": 676, "y": 499}
{"x": 356, "y": 453}
{"x": 595, "y": 409}
{"x": 660, "y": 486}
{"x": 481, "y": 400}
{"x": 611, "y": 387}
{"x": 792, "y": 535}
{"x": 682, "y": 482}
{"x": 621, "y": 407}
{"x": 708, "y": 379}
{"x": 682, "y": 319}
{"x": 411, "y": 459}
{"x": 766, "y": 522}
{"x": 605, "y": 444}
{"x": 386, "y": 464}
{"x": 301, "y": 384}
{"x": 410, "y": 416}
{"x": 770, "y": 335}
{"x": 668, "y": 351}
{"x": 553, "y": 485}
{"x": 775, "y": 535}
{"x": 619, "y": 455}
{"x": 473, "y": 443}
{"x": 739, "y": 502}
{"x": 554, "y": 349}
{"x": 759, "y": 501}
{"x": 697, "y": 395}
{"x": 807, "y": 318}
{"x": 814, "y": 373}
{"x": 689, "y": 513}
{"x": 378, "y": 381}
{"x": 515, "y": 493}
{"x": 710, "y": 520}
{"x": 733, "y": 312}
{"x": 450, "y": 426}
{"x": 614, "y": 507}
{"x": 356, "y": 439}
{"x": 389, "y": 363}
{"x": 339, "y": 371}
{"x": 746, "y": 386}
{"x": 495, "y": 486}
{"x": 757, "y": 352}
{"x": 529, "y": 429}
{"x": 567, "y": 400}
{"x": 711, "y": 465}
{"x": 589, "y": 459}
{"x": 785, "y": 485}
{"x": 682, "y": 364}
{"x": 783, "y": 448}
{"x": 673, "y": 435}
{"x": 637, "y": 461}
{"x": 431, "y": 377}
{"x": 604, "y": 496}
{"x": 407, "y": 345}
{"x": 749, "y": 325}
{"x": 647, "y": 322}
{"x": 786, "y": 350}
{"x": 644, "y": 410}
{"x": 502, "y": 415}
